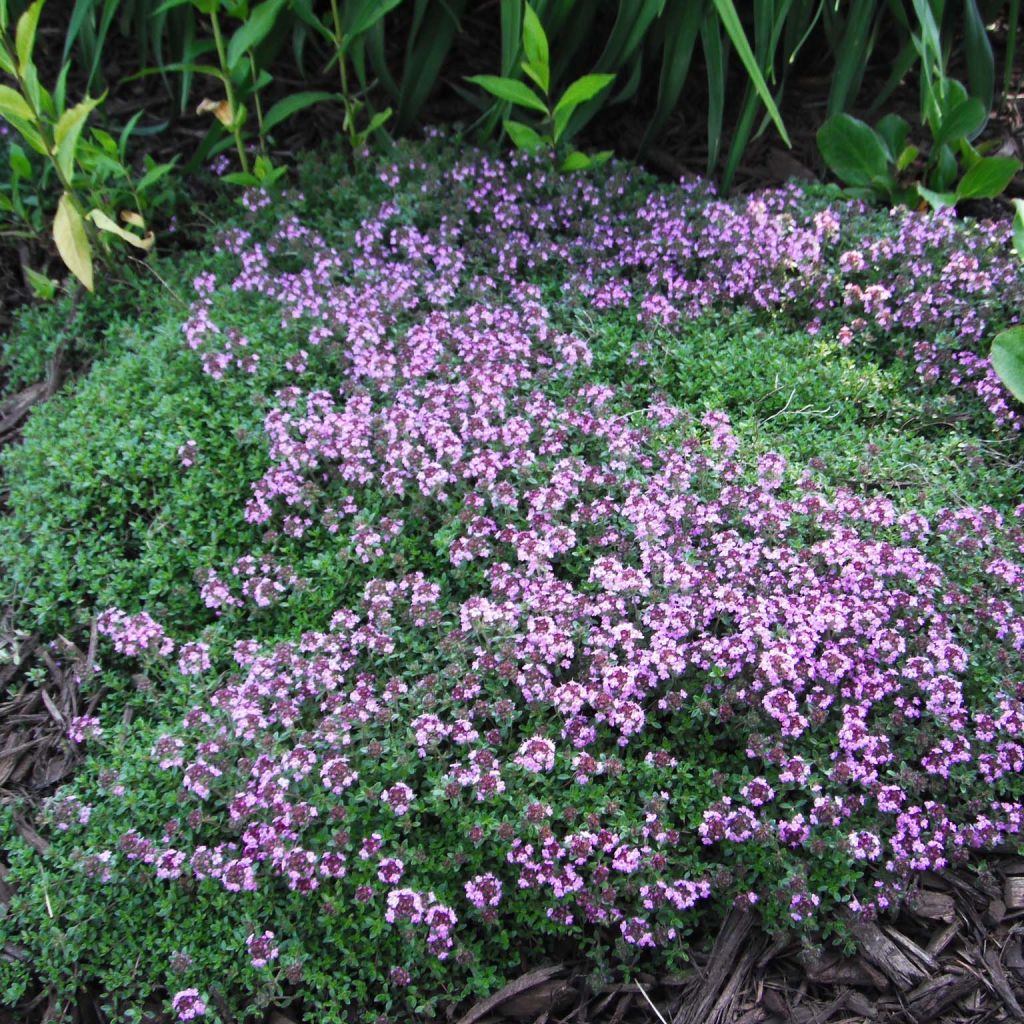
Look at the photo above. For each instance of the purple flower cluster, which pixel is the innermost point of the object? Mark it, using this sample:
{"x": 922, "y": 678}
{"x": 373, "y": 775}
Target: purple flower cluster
{"x": 619, "y": 589}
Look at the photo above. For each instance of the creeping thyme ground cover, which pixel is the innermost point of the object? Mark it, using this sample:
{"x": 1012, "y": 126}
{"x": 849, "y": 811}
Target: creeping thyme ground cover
{"x": 498, "y": 565}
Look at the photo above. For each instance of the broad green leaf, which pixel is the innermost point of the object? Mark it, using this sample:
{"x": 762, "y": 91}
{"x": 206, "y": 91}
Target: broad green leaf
{"x": 853, "y": 152}
{"x": 511, "y": 90}
{"x": 988, "y": 177}
{"x": 539, "y": 75}
{"x": 1008, "y": 360}
{"x": 106, "y": 223}
{"x": 25, "y": 35}
{"x": 72, "y": 242}
{"x": 254, "y": 30}
{"x": 65, "y": 135}
{"x": 523, "y": 136}
{"x": 6, "y": 64}
{"x": 535, "y": 46}
{"x": 963, "y": 121}
{"x": 290, "y": 105}
{"x": 893, "y": 131}
{"x": 583, "y": 89}
{"x": 937, "y": 200}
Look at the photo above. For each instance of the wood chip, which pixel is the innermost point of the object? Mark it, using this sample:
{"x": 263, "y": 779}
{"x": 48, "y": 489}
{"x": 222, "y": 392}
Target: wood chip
{"x": 932, "y": 906}
{"x": 861, "y": 1005}
{"x": 1001, "y": 984}
{"x": 1013, "y": 892}
{"x": 941, "y": 940}
{"x": 540, "y": 1000}
{"x": 928, "y": 1000}
{"x": 880, "y": 950}
{"x": 912, "y": 949}
{"x": 511, "y": 990}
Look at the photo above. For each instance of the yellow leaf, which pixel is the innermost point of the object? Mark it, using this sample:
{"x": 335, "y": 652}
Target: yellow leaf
{"x": 72, "y": 241}
{"x": 220, "y": 109}
{"x": 133, "y": 218}
{"x": 105, "y": 223}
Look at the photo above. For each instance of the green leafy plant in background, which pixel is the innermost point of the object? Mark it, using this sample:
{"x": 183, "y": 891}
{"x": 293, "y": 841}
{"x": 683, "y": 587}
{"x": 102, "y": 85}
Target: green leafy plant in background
{"x": 350, "y": 23}
{"x": 243, "y": 76}
{"x": 881, "y": 163}
{"x": 556, "y": 115}
{"x": 1007, "y": 353}
{"x": 91, "y": 173}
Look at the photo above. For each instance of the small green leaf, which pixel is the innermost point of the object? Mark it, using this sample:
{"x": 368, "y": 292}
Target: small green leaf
{"x": 537, "y": 74}
{"x": 853, "y": 152}
{"x": 1008, "y": 360}
{"x": 575, "y": 161}
{"x": 988, "y": 177}
{"x": 936, "y": 200}
{"x": 944, "y": 170}
{"x": 962, "y": 122}
{"x": 13, "y": 106}
{"x": 378, "y": 121}
{"x": 290, "y": 105}
{"x": 523, "y": 136}
{"x": 535, "y": 46}
{"x": 44, "y": 287}
{"x": 72, "y": 242}
{"x": 25, "y": 35}
{"x": 253, "y": 31}
{"x": 20, "y": 166}
{"x": 511, "y": 90}
{"x": 906, "y": 158}
{"x": 67, "y": 132}
{"x": 583, "y": 89}
{"x": 240, "y": 178}
{"x": 1018, "y": 227}
{"x": 371, "y": 12}
{"x": 893, "y": 131}
{"x": 169, "y": 5}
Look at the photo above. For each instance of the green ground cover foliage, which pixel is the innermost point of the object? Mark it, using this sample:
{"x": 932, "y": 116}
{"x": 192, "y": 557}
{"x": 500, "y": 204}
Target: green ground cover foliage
{"x": 102, "y": 514}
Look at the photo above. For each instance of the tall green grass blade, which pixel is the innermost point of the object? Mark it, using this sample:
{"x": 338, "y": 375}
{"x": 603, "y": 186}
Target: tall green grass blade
{"x": 981, "y": 64}
{"x": 714, "y": 60}
{"x": 680, "y": 30}
{"x": 734, "y": 28}
{"x": 511, "y": 35}
{"x": 852, "y": 55}
{"x": 429, "y": 42}
{"x": 1010, "y": 56}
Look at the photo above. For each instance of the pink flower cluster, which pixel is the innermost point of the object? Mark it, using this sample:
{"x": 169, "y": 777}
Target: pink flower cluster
{"x": 560, "y": 602}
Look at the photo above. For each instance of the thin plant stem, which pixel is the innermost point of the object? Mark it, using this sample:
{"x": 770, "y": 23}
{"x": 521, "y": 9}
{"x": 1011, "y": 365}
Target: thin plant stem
{"x": 236, "y": 127}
